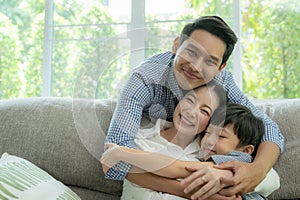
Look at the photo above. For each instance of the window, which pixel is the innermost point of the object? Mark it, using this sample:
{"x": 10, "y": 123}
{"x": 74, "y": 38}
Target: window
{"x": 89, "y": 46}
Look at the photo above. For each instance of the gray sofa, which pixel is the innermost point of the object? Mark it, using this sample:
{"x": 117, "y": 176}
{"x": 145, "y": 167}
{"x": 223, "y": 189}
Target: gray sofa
{"x": 65, "y": 136}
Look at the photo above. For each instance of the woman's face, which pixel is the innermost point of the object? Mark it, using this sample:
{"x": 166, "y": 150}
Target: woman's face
{"x": 193, "y": 112}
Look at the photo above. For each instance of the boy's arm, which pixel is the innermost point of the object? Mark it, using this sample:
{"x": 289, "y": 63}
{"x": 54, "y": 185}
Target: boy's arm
{"x": 235, "y": 95}
{"x": 248, "y": 176}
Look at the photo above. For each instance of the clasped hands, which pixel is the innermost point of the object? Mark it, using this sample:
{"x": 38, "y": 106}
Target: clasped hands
{"x": 205, "y": 183}
{"x": 223, "y": 182}
{"x": 246, "y": 176}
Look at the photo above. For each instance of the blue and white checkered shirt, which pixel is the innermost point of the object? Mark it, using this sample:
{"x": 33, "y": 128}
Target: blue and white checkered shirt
{"x": 152, "y": 89}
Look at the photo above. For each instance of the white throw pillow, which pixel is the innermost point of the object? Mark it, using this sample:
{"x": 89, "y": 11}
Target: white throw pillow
{"x": 20, "y": 179}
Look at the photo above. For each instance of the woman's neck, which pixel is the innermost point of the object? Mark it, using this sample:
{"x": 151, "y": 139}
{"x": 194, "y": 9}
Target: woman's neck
{"x": 174, "y": 136}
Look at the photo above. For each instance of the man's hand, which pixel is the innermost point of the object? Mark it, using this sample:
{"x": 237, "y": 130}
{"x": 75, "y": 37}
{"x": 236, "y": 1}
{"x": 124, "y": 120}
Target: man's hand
{"x": 207, "y": 178}
{"x": 246, "y": 177}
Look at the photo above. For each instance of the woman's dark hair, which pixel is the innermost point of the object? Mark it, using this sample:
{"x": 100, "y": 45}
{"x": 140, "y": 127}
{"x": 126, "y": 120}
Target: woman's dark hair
{"x": 216, "y": 26}
{"x": 248, "y": 128}
{"x": 220, "y": 92}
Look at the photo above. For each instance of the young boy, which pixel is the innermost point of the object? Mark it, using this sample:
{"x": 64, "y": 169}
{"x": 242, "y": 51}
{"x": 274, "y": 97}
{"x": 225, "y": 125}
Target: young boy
{"x": 235, "y": 138}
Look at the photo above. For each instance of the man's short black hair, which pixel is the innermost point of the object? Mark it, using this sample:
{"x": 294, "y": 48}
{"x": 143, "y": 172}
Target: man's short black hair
{"x": 216, "y": 26}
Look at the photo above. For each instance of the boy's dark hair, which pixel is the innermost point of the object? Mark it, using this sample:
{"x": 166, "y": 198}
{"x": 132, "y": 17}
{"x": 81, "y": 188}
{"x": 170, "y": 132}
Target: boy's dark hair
{"x": 248, "y": 128}
{"x": 216, "y": 26}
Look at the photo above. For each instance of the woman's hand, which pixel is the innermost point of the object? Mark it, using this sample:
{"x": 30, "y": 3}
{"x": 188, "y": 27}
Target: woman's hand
{"x": 208, "y": 178}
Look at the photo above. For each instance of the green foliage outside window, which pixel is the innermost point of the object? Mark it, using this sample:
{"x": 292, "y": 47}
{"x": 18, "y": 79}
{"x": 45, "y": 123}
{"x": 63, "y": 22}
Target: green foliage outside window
{"x": 271, "y": 62}
{"x": 90, "y": 61}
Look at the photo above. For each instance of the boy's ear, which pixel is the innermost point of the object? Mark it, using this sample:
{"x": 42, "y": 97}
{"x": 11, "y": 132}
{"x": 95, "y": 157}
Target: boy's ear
{"x": 248, "y": 149}
{"x": 175, "y": 45}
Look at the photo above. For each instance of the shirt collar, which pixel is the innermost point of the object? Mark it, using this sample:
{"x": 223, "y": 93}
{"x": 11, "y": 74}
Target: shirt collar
{"x": 172, "y": 82}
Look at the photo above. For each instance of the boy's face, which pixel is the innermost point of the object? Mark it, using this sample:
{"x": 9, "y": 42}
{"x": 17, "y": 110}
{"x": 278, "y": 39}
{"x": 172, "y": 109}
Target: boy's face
{"x": 198, "y": 59}
{"x": 193, "y": 112}
{"x": 219, "y": 140}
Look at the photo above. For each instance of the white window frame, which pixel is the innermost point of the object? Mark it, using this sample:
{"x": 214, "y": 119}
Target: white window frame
{"x": 137, "y": 22}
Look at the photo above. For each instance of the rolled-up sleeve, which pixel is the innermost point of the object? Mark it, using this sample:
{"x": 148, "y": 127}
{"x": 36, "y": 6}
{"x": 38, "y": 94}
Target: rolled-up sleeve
{"x": 126, "y": 120}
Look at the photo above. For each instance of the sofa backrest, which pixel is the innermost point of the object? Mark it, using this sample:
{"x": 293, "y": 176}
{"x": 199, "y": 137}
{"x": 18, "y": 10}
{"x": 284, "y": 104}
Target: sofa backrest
{"x": 62, "y": 136}
{"x": 65, "y": 138}
{"x": 286, "y": 113}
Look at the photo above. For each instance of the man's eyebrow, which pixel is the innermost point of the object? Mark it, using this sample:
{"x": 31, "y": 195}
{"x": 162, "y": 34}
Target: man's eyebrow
{"x": 190, "y": 45}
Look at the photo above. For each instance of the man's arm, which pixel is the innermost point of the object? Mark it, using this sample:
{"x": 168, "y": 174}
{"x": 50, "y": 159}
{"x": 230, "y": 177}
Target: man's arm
{"x": 126, "y": 120}
{"x": 265, "y": 187}
{"x": 268, "y": 151}
{"x": 235, "y": 95}
{"x": 259, "y": 168}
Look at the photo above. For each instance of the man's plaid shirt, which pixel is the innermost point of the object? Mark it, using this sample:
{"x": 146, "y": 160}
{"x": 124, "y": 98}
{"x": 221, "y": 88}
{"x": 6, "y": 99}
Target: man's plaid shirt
{"x": 152, "y": 89}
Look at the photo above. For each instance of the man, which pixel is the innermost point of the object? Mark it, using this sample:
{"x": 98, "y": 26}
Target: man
{"x": 155, "y": 87}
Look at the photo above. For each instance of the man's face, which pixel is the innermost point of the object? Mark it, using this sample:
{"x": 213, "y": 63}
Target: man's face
{"x": 198, "y": 59}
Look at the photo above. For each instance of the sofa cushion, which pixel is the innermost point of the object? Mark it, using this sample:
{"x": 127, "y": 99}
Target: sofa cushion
{"x": 287, "y": 115}
{"x": 20, "y": 179}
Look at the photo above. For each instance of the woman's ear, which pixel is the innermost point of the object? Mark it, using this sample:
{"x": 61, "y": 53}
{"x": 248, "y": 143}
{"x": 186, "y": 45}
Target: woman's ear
{"x": 247, "y": 149}
{"x": 175, "y": 45}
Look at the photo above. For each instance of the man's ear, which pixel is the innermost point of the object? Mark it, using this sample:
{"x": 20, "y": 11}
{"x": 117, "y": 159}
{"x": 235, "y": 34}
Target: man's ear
{"x": 222, "y": 67}
{"x": 247, "y": 149}
{"x": 175, "y": 45}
